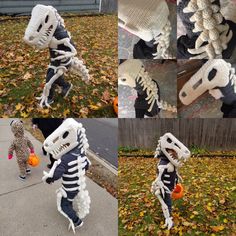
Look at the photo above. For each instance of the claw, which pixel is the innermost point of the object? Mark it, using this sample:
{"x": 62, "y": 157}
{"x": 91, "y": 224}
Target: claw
{"x": 169, "y": 223}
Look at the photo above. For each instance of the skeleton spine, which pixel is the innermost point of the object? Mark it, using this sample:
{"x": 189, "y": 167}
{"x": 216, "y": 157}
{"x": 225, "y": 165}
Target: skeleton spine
{"x": 151, "y": 89}
{"x": 209, "y": 22}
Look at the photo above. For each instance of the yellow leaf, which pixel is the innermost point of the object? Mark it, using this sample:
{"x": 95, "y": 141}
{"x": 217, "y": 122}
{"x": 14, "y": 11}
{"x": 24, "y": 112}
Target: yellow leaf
{"x": 19, "y": 106}
{"x": 66, "y": 112}
{"x": 141, "y": 214}
{"x": 225, "y": 221}
{"x": 93, "y": 107}
{"x": 195, "y": 213}
{"x": 217, "y": 228}
{"x": 24, "y": 114}
{"x": 27, "y": 76}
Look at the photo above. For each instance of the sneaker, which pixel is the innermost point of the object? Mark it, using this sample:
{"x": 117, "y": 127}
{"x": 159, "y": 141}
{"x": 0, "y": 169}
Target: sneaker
{"x": 66, "y": 90}
{"x": 78, "y": 224}
{"x": 22, "y": 177}
{"x": 28, "y": 171}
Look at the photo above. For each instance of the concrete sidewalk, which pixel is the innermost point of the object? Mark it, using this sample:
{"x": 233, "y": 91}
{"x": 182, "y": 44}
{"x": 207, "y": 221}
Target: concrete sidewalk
{"x": 29, "y": 208}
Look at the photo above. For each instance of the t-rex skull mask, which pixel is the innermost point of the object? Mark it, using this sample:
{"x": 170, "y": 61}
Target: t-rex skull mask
{"x": 169, "y": 141}
{"x": 42, "y": 25}
{"x": 216, "y": 76}
{"x": 128, "y": 72}
{"x": 145, "y": 19}
{"x": 65, "y": 138}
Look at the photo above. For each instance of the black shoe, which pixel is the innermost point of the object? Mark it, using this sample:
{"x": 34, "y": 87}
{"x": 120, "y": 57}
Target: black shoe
{"x": 78, "y": 224}
{"x": 28, "y": 171}
{"x": 22, "y": 177}
{"x": 49, "y": 166}
{"x": 44, "y": 152}
{"x": 66, "y": 90}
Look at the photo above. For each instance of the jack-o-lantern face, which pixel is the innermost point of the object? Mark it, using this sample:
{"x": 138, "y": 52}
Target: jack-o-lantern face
{"x": 178, "y": 192}
{"x": 33, "y": 160}
{"x": 115, "y": 105}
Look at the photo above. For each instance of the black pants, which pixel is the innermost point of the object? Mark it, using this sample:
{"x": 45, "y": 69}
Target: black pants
{"x": 60, "y": 82}
{"x": 67, "y": 206}
{"x": 139, "y": 113}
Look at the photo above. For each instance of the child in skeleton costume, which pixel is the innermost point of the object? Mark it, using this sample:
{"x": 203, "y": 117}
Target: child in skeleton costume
{"x": 219, "y": 79}
{"x": 46, "y": 29}
{"x": 132, "y": 73}
{"x": 171, "y": 153}
{"x": 22, "y": 147}
{"x": 68, "y": 145}
{"x": 149, "y": 21}
{"x": 209, "y": 35}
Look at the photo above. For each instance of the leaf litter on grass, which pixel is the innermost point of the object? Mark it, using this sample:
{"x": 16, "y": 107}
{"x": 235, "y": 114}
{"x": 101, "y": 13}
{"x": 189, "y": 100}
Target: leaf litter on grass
{"x": 207, "y": 208}
{"x": 23, "y": 70}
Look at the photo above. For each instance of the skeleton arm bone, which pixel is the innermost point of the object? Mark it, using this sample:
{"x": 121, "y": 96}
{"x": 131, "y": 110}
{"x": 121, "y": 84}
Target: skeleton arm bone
{"x": 179, "y": 176}
{"x": 65, "y": 54}
{"x": 51, "y": 172}
{"x": 47, "y": 87}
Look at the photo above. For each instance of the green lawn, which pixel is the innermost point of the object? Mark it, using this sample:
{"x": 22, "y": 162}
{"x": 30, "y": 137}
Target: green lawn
{"x": 23, "y": 70}
{"x": 208, "y": 207}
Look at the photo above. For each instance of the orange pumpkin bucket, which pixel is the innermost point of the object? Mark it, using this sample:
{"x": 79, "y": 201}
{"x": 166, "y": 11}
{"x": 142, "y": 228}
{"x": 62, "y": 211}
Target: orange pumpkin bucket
{"x": 33, "y": 160}
{"x": 178, "y": 192}
{"x": 115, "y": 105}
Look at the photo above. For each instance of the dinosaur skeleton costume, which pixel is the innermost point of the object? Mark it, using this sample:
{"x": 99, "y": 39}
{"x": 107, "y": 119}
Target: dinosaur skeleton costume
{"x": 22, "y": 147}
{"x": 132, "y": 73}
{"x": 216, "y": 76}
{"x": 209, "y": 35}
{"x": 68, "y": 145}
{"x": 46, "y": 29}
{"x": 168, "y": 172}
{"x": 149, "y": 21}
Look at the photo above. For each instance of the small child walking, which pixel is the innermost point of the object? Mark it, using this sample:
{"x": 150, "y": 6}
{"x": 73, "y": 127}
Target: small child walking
{"x": 22, "y": 147}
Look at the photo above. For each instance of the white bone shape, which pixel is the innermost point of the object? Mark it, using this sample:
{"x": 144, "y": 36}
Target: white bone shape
{"x": 199, "y": 83}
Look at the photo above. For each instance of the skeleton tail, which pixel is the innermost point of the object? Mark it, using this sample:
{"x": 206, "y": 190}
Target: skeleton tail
{"x": 167, "y": 107}
{"x": 78, "y": 67}
{"x": 83, "y": 203}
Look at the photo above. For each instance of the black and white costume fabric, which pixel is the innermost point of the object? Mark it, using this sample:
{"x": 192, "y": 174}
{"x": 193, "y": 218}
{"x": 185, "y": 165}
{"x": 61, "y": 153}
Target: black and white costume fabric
{"x": 68, "y": 144}
{"x": 133, "y": 74}
{"x": 171, "y": 153}
{"x": 208, "y": 34}
{"x": 46, "y": 29}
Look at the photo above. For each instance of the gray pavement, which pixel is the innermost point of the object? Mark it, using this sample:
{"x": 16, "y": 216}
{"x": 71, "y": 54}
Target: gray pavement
{"x": 102, "y": 136}
{"x": 29, "y": 208}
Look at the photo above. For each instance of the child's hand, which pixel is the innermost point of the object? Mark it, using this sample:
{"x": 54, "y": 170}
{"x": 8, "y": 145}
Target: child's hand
{"x": 10, "y": 157}
{"x": 49, "y": 180}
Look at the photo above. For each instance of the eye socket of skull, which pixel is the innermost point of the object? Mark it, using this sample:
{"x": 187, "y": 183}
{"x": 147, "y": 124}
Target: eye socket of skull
{"x": 39, "y": 28}
{"x": 65, "y": 134}
{"x": 47, "y": 18}
{"x": 212, "y": 74}
{"x": 168, "y": 140}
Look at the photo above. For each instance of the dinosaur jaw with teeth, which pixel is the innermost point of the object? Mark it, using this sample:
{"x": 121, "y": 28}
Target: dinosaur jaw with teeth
{"x": 61, "y": 148}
